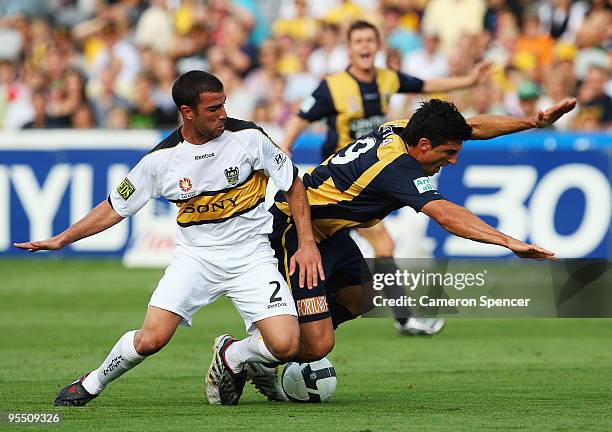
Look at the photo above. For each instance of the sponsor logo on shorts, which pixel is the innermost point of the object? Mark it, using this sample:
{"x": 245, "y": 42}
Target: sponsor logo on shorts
{"x": 231, "y": 174}
{"x": 126, "y": 189}
{"x": 312, "y": 306}
{"x": 276, "y": 305}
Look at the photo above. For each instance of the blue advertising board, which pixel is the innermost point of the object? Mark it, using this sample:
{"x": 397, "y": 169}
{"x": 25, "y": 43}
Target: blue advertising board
{"x": 551, "y": 189}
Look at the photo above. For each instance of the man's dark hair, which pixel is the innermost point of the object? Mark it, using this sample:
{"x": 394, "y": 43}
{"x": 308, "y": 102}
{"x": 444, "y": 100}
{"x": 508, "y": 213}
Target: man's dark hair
{"x": 359, "y": 25}
{"x": 187, "y": 89}
{"x": 437, "y": 120}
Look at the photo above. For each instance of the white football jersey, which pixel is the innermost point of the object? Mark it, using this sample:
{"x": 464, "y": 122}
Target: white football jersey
{"x": 219, "y": 186}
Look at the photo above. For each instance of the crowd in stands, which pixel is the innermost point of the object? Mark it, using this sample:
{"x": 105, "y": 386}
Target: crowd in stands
{"x": 111, "y": 64}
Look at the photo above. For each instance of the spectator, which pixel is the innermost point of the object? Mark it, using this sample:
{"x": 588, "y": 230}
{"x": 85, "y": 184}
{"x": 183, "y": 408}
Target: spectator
{"x": 118, "y": 118}
{"x": 535, "y": 43}
{"x": 233, "y": 40}
{"x": 144, "y": 114}
{"x": 592, "y": 94}
{"x": 154, "y": 28}
{"x": 347, "y": 12}
{"x": 426, "y": 62}
{"x": 301, "y": 27}
{"x": 118, "y": 53}
{"x": 467, "y": 17}
{"x": 528, "y": 93}
{"x": 41, "y": 120}
{"x": 562, "y": 18}
{"x": 104, "y": 96}
{"x": 165, "y": 74}
{"x": 260, "y": 82}
{"x": 82, "y": 117}
{"x": 331, "y": 56}
{"x": 396, "y": 36}
{"x": 240, "y": 103}
{"x": 190, "y": 49}
{"x": 66, "y": 97}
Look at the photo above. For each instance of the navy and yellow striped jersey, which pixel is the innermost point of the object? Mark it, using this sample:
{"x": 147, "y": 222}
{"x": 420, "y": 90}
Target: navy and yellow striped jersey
{"x": 364, "y": 182}
{"x": 354, "y": 108}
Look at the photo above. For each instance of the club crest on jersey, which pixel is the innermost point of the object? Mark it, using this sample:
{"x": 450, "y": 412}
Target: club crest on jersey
{"x": 185, "y": 184}
{"x": 231, "y": 174}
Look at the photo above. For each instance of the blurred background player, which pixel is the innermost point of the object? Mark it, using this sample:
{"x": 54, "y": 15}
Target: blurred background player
{"x": 355, "y": 102}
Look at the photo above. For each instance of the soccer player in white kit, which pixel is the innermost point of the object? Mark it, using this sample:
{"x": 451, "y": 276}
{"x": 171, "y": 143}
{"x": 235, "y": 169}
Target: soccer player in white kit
{"x": 215, "y": 169}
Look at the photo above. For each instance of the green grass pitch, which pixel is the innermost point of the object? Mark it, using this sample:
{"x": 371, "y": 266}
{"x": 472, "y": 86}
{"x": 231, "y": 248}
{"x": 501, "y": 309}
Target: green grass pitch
{"x": 58, "y": 319}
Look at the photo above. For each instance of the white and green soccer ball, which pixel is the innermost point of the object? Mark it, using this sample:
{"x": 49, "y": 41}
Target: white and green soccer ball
{"x": 309, "y": 382}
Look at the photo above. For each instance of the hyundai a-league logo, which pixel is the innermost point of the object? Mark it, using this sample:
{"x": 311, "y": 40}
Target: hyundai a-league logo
{"x": 185, "y": 184}
{"x": 231, "y": 174}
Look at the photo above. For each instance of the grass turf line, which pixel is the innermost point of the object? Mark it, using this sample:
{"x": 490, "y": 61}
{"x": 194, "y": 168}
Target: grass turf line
{"x": 60, "y": 318}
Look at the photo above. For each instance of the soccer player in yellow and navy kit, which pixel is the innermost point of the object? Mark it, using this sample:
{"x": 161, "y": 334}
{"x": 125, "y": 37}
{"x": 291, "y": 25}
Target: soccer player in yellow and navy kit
{"x": 354, "y": 103}
{"x": 361, "y": 184}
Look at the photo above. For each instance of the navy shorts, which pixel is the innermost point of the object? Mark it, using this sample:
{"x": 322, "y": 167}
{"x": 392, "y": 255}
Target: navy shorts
{"x": 343, "y": 264}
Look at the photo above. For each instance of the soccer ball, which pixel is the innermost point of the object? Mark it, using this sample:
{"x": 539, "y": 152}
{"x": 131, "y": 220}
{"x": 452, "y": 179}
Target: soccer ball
{"x": 309, "y": 382}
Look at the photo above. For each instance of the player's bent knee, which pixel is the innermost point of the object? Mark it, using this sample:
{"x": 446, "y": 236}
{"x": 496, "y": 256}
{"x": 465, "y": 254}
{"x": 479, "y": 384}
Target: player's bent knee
{"x": 147, "y": 343}
{"x": 316, "y": 349}
{"x": 284, "y": 348}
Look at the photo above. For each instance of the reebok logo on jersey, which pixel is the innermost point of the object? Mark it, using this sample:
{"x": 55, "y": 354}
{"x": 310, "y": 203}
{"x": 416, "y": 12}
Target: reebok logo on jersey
{"x": 126, "y": 189}
{"x": 423, "y": 184}
{"x": 204, "y": 156}
{"x": 312, "y": 306}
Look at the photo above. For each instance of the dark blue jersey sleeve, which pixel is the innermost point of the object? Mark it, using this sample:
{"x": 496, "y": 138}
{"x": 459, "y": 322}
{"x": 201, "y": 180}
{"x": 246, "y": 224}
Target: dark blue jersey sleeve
{"x": 410, "y": 84}
{"x": 318, "y": 105}
{"x": 407, "y": 183}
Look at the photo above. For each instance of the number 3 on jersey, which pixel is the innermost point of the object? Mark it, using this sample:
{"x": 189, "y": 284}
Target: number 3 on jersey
{"x": 353, "y": 151}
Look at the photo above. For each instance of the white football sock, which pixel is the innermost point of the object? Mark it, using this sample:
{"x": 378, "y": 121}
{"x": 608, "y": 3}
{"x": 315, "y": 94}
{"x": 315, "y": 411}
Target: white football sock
{"x": 249, "y": 350}
{"x": 121, "y": 359}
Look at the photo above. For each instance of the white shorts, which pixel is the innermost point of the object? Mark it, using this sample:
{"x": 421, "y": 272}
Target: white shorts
{"x": 247, "y": 273}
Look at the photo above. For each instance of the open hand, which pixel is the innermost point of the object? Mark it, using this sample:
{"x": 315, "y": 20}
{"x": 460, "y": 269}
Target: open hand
{"x": 308, "y": 260}
{"x": 50, "y": 244}
{"x": 480, "y": 72}
{"x": 548, "y": 117}
{"x": 526, "y": 250}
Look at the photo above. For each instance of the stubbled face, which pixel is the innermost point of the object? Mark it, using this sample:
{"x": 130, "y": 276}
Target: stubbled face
{"x": 362, "y": 47}
{"x": 210, "y": 116}
{"x": 434, "y": 158}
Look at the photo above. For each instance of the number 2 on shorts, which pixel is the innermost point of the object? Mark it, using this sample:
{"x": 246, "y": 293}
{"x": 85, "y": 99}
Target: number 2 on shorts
{"x": 274, "y": 298}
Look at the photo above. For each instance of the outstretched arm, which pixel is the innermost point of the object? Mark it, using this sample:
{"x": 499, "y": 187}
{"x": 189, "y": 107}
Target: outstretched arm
{"x": 491, "y": 126}
{"x": 463, "y": 223}
{"x": 477, "y": 76}
{"x": 307, "y": 257}
{"x": 97, "y": 220}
